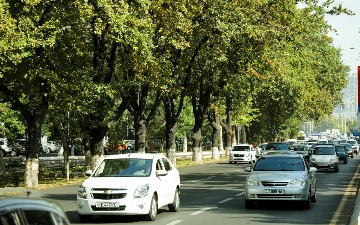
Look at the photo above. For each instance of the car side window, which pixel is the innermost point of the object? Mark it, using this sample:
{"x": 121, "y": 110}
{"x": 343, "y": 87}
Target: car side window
{"x": 166, "y": 164}
{"x": 38, "y": 217}
{"x": 158, "y": 165}
{"x": 9, "y": 218}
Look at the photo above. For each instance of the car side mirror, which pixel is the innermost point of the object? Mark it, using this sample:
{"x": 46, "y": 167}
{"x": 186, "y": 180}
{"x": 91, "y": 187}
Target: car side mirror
{"x": 161, "y": 173}
{"x": 88, "y": 173}
{"x": 248, "y": 169}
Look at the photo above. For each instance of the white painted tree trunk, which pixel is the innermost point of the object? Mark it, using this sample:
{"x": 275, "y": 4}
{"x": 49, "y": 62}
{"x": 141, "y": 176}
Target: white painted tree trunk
{"x": 197, "y": 154}
{"x": 227, "y": 150}
{"x": 215, "y": 153}
{"x": 95, "y": 161}
{"x": 32, "y": 173}
{"x": 172, "y": 156}
{"x": 185, "y": 144}
{"x": 221, "y": 143}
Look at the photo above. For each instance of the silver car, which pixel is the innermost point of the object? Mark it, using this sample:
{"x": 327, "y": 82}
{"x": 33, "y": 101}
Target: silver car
{"x": 281, "y": 177}
{"x": 325, "y": 157}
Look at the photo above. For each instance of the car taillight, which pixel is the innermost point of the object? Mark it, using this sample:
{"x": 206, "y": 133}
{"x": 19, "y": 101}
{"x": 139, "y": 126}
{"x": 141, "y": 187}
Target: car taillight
{"x": 21, "y": 147}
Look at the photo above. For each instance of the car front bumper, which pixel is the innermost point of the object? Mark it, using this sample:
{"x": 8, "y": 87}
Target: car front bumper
{"x": 127, "y": 206}
{"x": 323, "y": 165}
{"x": 261, "y": 193}
{"x": 239, "y": 159}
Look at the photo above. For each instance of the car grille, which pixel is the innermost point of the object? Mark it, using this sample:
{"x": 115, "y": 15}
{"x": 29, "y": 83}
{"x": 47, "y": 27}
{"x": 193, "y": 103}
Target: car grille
{"x": 239, "y": 155}
{"x": 274, "y": 196}
{"x": 108, "y": 196}
{"x": 120, "y": 208}
{"x": 273, "y": 183}
{"x": 108, "y": 193}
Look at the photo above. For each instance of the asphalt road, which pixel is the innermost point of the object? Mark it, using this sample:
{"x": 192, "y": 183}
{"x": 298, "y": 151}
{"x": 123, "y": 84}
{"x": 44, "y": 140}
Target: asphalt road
{"x": 212, "y": 194}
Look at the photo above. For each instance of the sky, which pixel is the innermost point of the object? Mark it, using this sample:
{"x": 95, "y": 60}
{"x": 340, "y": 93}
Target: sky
{"x": 348, "y": 33}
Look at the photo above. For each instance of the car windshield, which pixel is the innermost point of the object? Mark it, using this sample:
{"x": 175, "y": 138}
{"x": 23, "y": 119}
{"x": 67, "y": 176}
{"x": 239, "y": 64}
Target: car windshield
{"x": 279, "y": 164}
{"x": 124, "y": 167}
{"x": 353, "y": 143}
{"x": 241, "y": 148}
{"x": 323, "y": 151}
{"x": 277, "y": 146}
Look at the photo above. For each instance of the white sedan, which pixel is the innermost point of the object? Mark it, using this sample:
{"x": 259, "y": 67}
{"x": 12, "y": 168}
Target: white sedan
{"x": 129, "y": 184}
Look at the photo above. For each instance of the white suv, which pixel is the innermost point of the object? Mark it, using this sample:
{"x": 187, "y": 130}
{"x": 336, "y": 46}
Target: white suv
{"x": 354, "y": 146}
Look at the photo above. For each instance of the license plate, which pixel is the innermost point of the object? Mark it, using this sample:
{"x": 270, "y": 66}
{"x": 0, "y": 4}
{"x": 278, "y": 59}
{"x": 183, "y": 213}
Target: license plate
{"x": 274, "y": 191}
{"x": 107, "y": 204}
{"x": 323, "y": 164}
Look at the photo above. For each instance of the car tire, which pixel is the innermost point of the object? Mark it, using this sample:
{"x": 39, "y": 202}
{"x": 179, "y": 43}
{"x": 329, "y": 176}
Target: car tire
{"x": 352, "y": 156}
{"x": 151, "y": 216}
{"x": 174, "y": 207}
{"x": 345, "y": 161}
{"x": 313, "y": 198}
{"x": 249, "y": 204}
{"x": 337, "y": 168}
{"x": 85, "y": 218}
{"x": 230, "y": 162}
{"x": 307, "y": 203}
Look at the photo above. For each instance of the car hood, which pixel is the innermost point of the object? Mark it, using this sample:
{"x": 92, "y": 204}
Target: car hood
{"x": 115, "y": 182}
{"x": 240, "y": 152}
{"x": 278, "y": 175}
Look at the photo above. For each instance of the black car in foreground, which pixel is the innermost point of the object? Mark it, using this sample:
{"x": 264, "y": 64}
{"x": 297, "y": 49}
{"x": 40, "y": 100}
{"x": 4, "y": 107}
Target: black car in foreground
{"x": 341, "y": 151}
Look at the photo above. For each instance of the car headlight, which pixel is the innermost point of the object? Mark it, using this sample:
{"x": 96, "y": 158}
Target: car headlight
{"x": 142, "y": 191}
{"x": 332, "y": 160}
{"x": 297, "y": 182}
{"x": 81, "y": 192}
{"x": 253, "y": 182}
{"x": 230, "y": 154}
{"x": 312, "y": 159}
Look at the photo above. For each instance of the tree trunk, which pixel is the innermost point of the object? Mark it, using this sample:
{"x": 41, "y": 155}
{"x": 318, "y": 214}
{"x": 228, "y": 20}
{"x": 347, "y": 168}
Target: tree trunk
{"x": 216, "y": 129}
{"x": 86, "y": 151}
{"x": 140, "y": 134}
{"x": 32, "y": 161}
{"x": 243, "y": 134}
{"x": 185, "y": 144}
{"x": 96, "y": 145}
{"x": 2, "y": 166}
{"x": 196, "y": 144}
{"x": 221, "y": 142}
{"x": 171, "y": 143}
{"x": 227, "y": 126}
{"x": 233, "y": 135}
{"x": 64, "y": 140}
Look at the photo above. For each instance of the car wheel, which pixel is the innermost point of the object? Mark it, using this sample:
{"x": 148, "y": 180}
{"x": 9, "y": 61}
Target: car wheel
{"x": 313, "y": 198}
{"x": 337, "y": 168}
{"x": 249, "y": 204}
{"x": 251, "y": 160}
{"x": 85, "y": 218}
{"x": 307, "y": 203}
{"x": 352, "y": 156}
{"x": 13, "y": 153}
{"x": 174, "y": 207}
{"x": 230, "y": 162}
{"x": 345, "y": 161}
{"x": 153, "y": 210}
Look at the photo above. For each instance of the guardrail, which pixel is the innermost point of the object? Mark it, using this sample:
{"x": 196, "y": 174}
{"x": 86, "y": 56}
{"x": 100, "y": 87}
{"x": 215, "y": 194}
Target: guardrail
{"x": 53, "y": 161}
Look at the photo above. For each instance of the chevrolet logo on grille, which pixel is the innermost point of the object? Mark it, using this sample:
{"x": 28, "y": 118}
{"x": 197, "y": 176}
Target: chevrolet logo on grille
{"x": 107, "y": 192}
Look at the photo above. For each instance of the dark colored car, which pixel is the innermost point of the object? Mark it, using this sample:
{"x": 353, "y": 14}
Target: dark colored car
{"x": 21, "y": 147}
{"x": 303, "y": 150}
{"x": 341, "y": 151}
{"x": 349, "y": 149}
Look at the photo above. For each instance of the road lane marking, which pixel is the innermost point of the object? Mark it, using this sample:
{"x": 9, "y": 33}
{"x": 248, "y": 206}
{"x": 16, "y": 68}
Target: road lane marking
{"x": 174, "y": 222}
{"x": 240, "y": 194}
{"x": 350, "y": 190}
{"x": 225, "y": 200}
{"x": 200, "y": 211}
{"x": 194, "y": 181}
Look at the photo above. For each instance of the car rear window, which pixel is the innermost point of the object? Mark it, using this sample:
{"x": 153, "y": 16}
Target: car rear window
{"x": 277, "y": 146}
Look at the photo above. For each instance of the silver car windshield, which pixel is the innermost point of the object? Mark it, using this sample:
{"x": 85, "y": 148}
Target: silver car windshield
{"x": 124, "y": 168}
{"x": 279, "y": 164}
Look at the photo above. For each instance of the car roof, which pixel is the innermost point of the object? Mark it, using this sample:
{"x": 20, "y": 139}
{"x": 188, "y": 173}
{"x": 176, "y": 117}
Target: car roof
{"x": 135, "y": 155}
{"x": 325, "y": 145}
